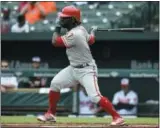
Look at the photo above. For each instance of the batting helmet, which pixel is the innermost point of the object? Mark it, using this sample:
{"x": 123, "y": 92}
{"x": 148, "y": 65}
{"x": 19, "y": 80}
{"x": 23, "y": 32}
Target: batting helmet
{"x": 71, "y": 11}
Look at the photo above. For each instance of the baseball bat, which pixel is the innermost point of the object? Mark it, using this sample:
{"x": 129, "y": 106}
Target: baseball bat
{"x": 123, "y": 29}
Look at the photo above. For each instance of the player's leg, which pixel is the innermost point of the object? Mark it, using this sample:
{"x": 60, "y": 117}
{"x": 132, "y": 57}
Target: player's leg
{"x": 89, "y": 81}
{"x": 63, "y": 79}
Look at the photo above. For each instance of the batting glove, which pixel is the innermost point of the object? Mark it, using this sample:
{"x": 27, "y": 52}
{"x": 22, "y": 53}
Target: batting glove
{"x": 93, "y": 29}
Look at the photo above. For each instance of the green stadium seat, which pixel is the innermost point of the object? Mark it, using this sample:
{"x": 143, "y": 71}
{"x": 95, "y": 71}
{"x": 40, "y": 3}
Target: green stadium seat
{"x": 93, "y": 16}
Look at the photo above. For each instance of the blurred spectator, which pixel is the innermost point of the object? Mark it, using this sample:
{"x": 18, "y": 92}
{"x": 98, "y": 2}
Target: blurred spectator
{"x": 22, "y": 5}
{"x": 37, "y": 82}
{"x": 8, "y": 82}
{"x": 5, "y": 27}
{"x": 154, "y": 27}
{"x": 87, "y": 107}
{"x": 125, "y": 101}
{"x": 21, "y": 25}
{"x": 36, "y": 62}
{"x": 96, "y": 4}
{"x": 80, "y": 3}
{"x": 35, "y": 11}
{"x": 4, "y": 64}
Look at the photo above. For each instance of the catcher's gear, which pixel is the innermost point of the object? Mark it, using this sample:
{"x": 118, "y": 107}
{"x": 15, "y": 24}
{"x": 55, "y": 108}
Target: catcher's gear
{"x": 71, "y": 11}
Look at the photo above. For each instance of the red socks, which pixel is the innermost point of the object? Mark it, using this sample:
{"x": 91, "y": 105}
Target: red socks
{"x": 108, "y": 107}
{"x": 53, "y": 99}
{"x": 104, "y": 103}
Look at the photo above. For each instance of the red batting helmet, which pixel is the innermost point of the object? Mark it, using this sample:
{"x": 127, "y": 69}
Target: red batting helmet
{"x": 71, "y": 11}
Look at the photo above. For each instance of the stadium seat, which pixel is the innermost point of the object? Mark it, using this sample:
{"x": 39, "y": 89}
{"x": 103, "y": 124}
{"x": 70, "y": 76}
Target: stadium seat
{"x": 120, "y": 13}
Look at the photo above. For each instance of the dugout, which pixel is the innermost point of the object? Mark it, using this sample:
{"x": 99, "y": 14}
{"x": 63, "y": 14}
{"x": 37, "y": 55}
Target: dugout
{"x": 118, "y": 54}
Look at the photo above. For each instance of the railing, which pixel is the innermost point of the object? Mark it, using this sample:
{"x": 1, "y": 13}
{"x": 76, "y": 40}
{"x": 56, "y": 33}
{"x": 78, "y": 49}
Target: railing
{"x": 104, "y": 73}
{"x": 133, "y": 73}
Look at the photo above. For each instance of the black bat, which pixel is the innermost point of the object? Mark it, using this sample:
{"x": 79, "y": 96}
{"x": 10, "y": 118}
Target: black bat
{"x": 123, "y": 29}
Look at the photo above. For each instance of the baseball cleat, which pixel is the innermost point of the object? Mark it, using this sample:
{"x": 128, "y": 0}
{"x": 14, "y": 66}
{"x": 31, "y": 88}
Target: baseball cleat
{"x": 118, "y": 122}
{"x": 47, "y": 117}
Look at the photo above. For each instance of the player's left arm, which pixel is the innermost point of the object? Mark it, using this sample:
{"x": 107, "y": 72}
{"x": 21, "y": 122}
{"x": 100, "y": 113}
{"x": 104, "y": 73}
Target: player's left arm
{"x": 91, "y": 39}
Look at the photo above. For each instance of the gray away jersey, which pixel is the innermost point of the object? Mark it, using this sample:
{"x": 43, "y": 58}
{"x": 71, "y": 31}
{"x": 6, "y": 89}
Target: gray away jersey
{"x": 78, "y": 51}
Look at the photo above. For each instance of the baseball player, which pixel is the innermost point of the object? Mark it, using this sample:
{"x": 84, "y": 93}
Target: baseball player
{"x": 82, "y": 69}
{"x": 125, "y": 100}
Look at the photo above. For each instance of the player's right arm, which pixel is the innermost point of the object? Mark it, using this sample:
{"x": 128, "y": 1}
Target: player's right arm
{"x": 115, "y": 100}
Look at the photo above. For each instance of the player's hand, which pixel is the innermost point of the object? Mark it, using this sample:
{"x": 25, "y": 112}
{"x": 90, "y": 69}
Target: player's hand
{"x": 93, "y": 29}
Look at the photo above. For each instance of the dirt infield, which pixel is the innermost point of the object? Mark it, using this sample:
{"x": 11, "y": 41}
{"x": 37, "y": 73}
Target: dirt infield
{"x": 70, "y": 125}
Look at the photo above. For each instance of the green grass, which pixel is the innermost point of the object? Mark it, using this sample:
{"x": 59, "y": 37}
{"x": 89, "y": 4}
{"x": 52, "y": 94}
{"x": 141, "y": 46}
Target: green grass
{"x": 31, "y": 120}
